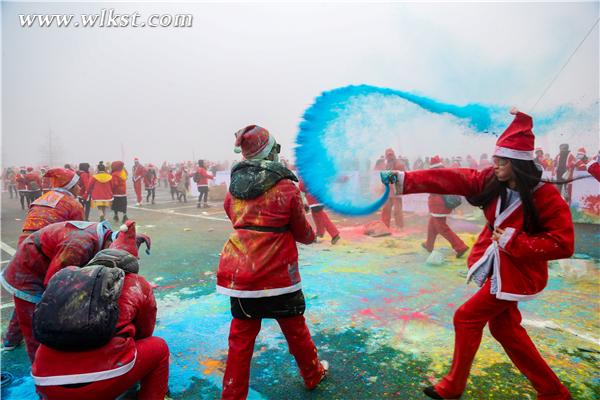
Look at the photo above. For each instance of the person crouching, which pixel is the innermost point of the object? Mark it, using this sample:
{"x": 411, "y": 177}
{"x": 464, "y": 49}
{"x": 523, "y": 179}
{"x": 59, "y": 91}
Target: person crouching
{"x": 258, "y": 267}
{"x": 131, "y": 355}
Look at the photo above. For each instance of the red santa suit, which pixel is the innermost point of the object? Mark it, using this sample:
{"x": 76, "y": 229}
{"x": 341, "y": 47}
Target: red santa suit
{"x": 581, "y": 155}
{"x": 437, "y": 224}
{"x": 138, "y": 177}
{"x": 259, "y": 262}
{"x": 594, "y": 169}
{"x": 395, "y": 201}
{"x": 132, "y": 355}
{"x": 39, "y": 257}
{"x": 100, "y": 190}
{"x": 46, "y": 252}
{"x": 150, "y": 181}
{"x": 57, "y": 205}
{"x": 119, "y": 188}
{"x": 320, "y": 217}
{"x": 512, "y": 269}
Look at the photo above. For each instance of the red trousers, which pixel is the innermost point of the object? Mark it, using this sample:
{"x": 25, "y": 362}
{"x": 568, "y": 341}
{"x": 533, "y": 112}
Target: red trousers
{"x": 151, "y": 369}
{"x": 24, "y": 312}
{"x": 242, "y": 335}
{"x": 438, "y": 225}
{"x": 505, "y": 326}
{"x": 137, "y": 186}
{"x": 386, "y": 212}
{"x": 323, "y": 223}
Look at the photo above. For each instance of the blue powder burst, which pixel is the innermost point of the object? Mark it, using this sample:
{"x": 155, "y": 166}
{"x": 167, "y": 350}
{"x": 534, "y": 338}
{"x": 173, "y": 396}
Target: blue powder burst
{"x": 349, "y": 126}
{"x": 339, "y": 126}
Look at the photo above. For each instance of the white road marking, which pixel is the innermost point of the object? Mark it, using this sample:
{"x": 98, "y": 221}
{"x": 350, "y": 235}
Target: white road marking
{"x": 553, "y": 325}
{"x": 7, "y": 305}
{"x": 170, "y": 212}
{"x": 7, "y": 248}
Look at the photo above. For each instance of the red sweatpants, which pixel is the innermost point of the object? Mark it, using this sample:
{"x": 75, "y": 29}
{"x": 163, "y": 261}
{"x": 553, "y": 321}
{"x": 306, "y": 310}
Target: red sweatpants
{"x": 438, "y": 225}
{"x": 24, "y": 312}
{"x": 151, "y": 369}
{"x": 242, "y": 335}
{"x": 386, "y": 212}
{"x": 137, "y": 186}
{"x": 505, "y": 326}
{"x": 323, "y": 223}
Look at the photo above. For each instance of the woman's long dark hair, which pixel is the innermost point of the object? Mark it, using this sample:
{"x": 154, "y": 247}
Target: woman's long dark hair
{"x": 527, "y": 177}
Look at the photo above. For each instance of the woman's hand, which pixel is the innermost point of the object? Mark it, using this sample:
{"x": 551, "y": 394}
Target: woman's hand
{"x": 497, "y": 234}
{"x": 388, "y": 177}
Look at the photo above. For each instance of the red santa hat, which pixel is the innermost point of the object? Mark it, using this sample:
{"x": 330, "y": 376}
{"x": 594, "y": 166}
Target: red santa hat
{"x": 29, "y": 169}
{"x": 581, "y": 151}
{"x": 127, "y": 239}
{"x": 436, "y": 162}
{"x": 517, "y": 141}
{"x": 62, "y": 178}
{"x": 254, "y": 142}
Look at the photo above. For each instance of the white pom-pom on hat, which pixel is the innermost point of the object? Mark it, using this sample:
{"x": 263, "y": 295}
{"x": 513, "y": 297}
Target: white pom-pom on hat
{"x": 123, "y": 228}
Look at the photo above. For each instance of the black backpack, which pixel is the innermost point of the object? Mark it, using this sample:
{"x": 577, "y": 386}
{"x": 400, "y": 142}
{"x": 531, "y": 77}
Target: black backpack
{"x": 79, "y": 308}
{"x": 452, "y": 201}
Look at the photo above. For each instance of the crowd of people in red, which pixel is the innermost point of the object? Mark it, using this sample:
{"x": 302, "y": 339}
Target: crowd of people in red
{"x": 61, "y": 258}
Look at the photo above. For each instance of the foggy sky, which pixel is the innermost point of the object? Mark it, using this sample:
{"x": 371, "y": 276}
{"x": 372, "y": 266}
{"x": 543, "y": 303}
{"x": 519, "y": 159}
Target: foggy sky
{"x": 173, "y": 93}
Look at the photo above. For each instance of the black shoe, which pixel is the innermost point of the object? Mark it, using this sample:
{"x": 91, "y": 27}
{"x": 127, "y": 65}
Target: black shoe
{"x": 335, "y": 239}
{"x": 430, "y": 392}
{"x": 199, "y": 205}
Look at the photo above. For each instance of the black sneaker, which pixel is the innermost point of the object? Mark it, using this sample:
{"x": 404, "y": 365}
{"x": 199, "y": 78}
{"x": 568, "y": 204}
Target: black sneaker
{"x": 430, "y": 392}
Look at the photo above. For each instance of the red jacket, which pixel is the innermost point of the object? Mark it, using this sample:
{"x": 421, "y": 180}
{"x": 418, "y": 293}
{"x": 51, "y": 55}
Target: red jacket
{"x": 594, "y": 169}
{"x": 264, "y": 264}
{"x": 100, "y": 188}
{"x": 21, "y": 182}
{"x": 34, "y": 181}
{"x": 47, "y": 251}
{"x": 54, "y": 206}
{"x": 520, "y": 258}
{"x": 204, "y": 176}
{"x": 437, "y": 206}
{"x": 137, "y": 317}
{"x": 119, "y": 183}
{"x": 138, "y": 172}
{"x": 171, "y": 179}
{"x": 84, "y": 183}
{"x": 150, "y": 181}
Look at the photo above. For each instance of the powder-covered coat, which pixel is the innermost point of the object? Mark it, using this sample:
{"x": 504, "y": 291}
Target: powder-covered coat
{"x": 262, "y": 264}
{"x": 520, "y": 259}
{"x": 47, "y": 251}
{"x": 137, "y": 317}
{"x": 57, "y": 205}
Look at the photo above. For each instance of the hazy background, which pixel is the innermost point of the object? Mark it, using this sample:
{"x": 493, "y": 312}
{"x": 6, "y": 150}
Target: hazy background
{"x": 173, "y": 93}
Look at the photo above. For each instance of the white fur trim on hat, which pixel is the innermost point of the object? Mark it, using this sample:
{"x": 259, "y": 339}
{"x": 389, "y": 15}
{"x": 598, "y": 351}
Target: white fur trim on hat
{"x": 511, "y": 153}
{"x": 265, "y": 152}
{"x": 72, "y": 182}
{"x": 123, "y": 228}
{"x": 436, "y": 165}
